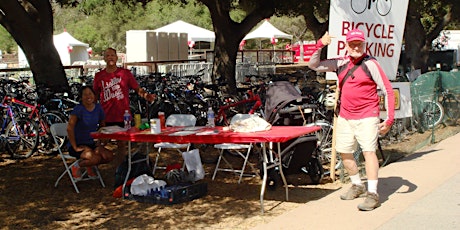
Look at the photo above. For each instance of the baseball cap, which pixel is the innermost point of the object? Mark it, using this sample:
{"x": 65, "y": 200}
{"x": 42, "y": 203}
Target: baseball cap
{"x": 355, "y": 35}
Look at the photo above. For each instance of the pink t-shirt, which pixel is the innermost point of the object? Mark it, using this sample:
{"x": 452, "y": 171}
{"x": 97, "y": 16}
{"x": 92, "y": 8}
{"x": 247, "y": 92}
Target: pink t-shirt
{"x": 113, "y": 90}
{"x": 359, "y": 93}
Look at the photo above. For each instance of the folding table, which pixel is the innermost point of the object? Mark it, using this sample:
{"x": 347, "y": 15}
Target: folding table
{"x": 206, "y": 135}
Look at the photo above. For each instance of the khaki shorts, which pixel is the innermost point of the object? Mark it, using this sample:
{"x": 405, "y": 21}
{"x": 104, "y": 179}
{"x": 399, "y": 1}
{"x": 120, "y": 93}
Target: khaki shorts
{"x": 349, "y": 133}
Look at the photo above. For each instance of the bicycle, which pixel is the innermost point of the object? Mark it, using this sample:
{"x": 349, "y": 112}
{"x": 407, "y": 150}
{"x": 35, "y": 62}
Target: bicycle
{"x": 223, "y": 116}
{"x": 44, "y": 119}
{"x": 451, "y": 108}
{"x": 383, "y": 160}
{"x": 19, "y": 135}
{"x": 443, "y": 109}
{"x": 432, "y": 114}
{"x": 224, "y": 113}
{"x": 324, "y": 136}
{"x": 383, "y": 7}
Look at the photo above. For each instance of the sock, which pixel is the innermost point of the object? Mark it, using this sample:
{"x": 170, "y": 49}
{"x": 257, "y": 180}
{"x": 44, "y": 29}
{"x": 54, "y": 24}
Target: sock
{"x": 356, "y": 179}
{"x": 372, "y": 186}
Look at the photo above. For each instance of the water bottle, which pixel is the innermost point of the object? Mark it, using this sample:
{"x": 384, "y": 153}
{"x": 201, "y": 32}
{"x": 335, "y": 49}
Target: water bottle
{"x": 210, "y": 116}
{"x": 127, "y": 119}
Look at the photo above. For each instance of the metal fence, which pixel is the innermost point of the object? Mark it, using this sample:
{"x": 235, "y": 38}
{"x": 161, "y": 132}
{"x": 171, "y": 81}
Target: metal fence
{"x": 434, "y": 87}
{"x": 187, "y": 69}
{"x": 242, "y": 70}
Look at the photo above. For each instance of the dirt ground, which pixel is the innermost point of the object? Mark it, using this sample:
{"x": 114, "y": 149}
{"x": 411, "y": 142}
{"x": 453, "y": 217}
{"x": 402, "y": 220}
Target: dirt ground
{"x": 30, "y": 200}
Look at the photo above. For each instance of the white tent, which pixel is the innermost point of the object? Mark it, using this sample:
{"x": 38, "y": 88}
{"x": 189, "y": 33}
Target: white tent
{"x": 195, "y": 33}
{"x": 70, "y": 50}
{"x": 268, "y": 31}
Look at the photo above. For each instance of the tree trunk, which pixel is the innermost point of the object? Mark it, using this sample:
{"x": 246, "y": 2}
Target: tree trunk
{"x": 225, "y": 52}
{"x": 229, "y": 35}
{"x": 45, "y": 64}
{"x": 30, "y": 23}
{"x": 415, "y": 48}
{"x": 418, "y": 39}
{"x": 228, "y": 68}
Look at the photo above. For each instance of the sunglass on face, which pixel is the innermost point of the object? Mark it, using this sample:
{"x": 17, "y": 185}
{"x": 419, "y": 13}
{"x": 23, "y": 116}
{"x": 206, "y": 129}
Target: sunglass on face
{"x": 354, "y": 44}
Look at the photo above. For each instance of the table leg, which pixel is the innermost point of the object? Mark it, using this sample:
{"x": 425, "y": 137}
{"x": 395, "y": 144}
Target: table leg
{"x": 128, "y": 171}
{"x": 280, "y": 166}
{"x": 264, "y": 179}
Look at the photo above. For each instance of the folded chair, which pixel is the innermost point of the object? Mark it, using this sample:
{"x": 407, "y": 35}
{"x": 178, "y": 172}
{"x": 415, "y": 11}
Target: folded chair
{"x": 241, "y": 150}
{"x": 174, "y": 120}
{"x": 59, "y": 132}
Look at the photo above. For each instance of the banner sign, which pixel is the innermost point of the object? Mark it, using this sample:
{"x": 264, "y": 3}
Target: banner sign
{"x": 382, "y": 22}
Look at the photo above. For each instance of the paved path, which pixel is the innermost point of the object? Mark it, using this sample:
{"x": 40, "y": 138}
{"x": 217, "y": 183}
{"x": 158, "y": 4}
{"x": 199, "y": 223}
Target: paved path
{"x": 421, "y": 191}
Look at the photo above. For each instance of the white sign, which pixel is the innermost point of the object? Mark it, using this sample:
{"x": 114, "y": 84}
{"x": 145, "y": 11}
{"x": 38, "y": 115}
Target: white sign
{"x": 382, "y": 22}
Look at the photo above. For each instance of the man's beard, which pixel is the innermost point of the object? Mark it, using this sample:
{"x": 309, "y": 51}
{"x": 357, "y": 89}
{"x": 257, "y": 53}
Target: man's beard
{"x": 356, "y": 55}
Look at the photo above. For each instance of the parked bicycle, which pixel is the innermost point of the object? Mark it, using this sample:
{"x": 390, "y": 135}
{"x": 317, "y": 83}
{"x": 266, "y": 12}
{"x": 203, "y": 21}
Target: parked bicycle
{"x": 44, "y": 119}
{"x": 444, "y": 108}
{"x": 19, "y": 135}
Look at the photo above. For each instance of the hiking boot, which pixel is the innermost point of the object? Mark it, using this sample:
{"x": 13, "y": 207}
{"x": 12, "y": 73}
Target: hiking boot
{"x": 76, "y": 173}
{"x": 370, "y": 203}
{"x": 354, "y": 192}
{"x": 90, "y": 172}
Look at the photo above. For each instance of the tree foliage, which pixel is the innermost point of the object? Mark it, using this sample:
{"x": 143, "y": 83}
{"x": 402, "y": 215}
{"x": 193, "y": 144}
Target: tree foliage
{"x": 424, "y": 22}
{"x": 7, "y": 43}
{"x": 30, "y": 23}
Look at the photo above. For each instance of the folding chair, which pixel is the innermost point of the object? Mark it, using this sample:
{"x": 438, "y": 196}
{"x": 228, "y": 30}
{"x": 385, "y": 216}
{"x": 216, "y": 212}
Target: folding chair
{"x": 241, "y": 150}
{"x": 174, "y": 120}
{"x": 59, "y": 132}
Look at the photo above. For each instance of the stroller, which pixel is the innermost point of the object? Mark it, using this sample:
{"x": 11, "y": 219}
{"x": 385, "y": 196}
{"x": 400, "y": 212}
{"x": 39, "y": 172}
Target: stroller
{"x": 285, "y": 105}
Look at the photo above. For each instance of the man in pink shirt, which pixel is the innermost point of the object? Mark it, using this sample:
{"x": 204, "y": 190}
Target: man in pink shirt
{"x": 112, "y": 86}
{"x": 358, "y": 121}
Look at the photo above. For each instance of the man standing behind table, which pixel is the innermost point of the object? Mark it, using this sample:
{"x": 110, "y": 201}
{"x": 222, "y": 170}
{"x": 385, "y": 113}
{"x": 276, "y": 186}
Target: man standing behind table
{"x": 112, "y": 85}
{"x": 358, "y": 121}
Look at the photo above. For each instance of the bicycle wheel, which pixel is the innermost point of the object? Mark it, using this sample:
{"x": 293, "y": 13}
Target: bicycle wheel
{"x": 232, "y": 108}
{"x": 22, "y": 137}
{"x": 359, "y": 159}
{"x": 383, "y": 7}
{"x": 451, "y": 109}
{"x": 212, "y": 102}
{"x": 324, "y": 136}
{"x": 358, "y": 6}
{"x": 384, "y": 158}
{"x": 47, "y": 144}
{"x": 315, "y": 170}
{"x": 432, "y": 114}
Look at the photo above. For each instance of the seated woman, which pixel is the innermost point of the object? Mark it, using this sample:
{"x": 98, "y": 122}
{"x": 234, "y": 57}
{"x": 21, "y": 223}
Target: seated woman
{"x": 85, "y": 118}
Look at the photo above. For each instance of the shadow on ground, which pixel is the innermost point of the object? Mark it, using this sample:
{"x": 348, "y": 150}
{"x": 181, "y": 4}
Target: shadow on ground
{"x": 30, "y": 200}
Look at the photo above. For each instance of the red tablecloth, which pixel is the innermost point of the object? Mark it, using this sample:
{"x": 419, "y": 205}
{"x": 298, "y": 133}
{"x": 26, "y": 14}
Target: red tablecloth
{"x": 209, "y": 135}
{"x": 214, "y": 136}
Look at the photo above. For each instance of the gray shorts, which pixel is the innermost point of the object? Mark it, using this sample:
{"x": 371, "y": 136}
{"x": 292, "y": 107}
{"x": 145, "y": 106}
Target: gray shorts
{"x": 350, "y": 133}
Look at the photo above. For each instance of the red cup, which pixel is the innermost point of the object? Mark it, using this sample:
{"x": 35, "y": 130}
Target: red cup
{"x": 161, "y": 116}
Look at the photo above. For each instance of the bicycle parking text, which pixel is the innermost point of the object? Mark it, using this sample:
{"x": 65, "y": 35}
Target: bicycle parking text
{"x": 374, "y": 30}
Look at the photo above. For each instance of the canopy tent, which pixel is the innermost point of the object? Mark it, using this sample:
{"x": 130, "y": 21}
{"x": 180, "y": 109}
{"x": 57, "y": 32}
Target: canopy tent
{"x": 268, "y": 31}
{"x": 70, "y": 50}
{"x": 195, "y": 33}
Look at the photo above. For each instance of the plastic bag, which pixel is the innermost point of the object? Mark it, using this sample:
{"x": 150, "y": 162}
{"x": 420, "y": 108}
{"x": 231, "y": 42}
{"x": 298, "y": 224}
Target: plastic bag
{"x": 193, "y": 163}
{"x": 250, "y": 124}
{"x": 144, "y": 184}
